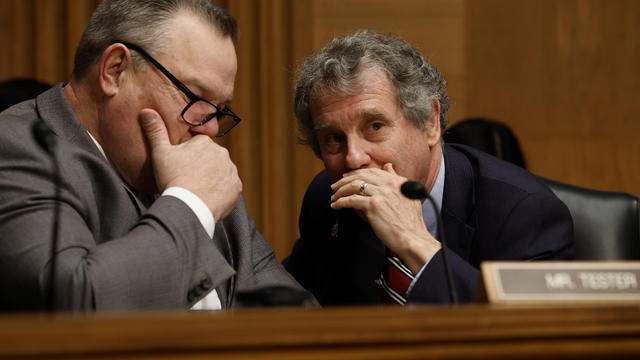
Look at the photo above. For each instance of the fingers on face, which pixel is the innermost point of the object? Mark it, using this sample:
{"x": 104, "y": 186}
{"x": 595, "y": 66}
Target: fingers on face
{"x": 351, "y": 201}
{"x": 352, "y": 188}
{"x": 380, "y": 177}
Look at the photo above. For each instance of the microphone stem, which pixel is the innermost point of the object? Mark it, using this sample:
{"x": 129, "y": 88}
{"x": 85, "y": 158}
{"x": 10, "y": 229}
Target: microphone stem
{"x": 453, "y": 295}
{"x": 54, "y": 231}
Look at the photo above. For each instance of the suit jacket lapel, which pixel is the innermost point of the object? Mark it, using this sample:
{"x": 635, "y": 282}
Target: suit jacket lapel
{"x": 362, "y": 258}
{"x": 53, "y": 108}
{"x": 458, "y": 202}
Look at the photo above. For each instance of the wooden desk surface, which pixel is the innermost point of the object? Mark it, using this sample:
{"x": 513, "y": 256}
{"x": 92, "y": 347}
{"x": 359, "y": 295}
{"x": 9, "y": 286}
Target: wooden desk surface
{"x": 468, "y": 331}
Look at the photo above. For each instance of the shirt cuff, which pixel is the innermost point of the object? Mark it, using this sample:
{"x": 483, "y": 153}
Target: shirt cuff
{"x": 415, "y": 278}
{"x": 196, "y": 205}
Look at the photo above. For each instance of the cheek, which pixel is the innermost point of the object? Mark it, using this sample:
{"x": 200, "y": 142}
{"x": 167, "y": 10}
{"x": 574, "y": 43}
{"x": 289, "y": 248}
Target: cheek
{"x": 170, "y": 114}
{"x": 178, "y": 130}
{"x": 414, "y": 163}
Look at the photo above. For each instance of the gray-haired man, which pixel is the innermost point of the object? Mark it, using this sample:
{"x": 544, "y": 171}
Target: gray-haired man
{"x": 372, "y": 108}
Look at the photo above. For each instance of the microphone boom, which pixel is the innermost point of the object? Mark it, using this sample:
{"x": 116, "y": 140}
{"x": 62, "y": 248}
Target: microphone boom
{"x": 414, "y": 190}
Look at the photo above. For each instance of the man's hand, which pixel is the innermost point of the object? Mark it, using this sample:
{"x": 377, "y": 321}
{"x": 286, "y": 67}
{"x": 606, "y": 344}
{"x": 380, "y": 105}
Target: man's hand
{"x": 396, "y": 220}
{"x": 198, "y": 165}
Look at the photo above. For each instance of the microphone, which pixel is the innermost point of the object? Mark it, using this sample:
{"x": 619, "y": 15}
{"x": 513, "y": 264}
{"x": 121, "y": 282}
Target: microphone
{"x": 415, "y": 191}
{"x": 46, "y": 139}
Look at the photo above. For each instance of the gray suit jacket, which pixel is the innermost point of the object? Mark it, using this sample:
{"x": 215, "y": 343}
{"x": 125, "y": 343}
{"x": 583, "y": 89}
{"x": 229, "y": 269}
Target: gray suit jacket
{"x": 113, "y": 252}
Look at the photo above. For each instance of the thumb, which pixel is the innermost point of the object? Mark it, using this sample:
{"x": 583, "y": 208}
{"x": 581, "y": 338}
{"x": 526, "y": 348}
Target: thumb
{"x": 153, "y": 127}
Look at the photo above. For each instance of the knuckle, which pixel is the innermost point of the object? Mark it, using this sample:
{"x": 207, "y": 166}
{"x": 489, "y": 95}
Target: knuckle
{"x": 374, "y": 202}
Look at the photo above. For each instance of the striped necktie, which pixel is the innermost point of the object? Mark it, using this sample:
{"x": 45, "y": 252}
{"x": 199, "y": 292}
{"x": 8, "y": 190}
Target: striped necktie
{"x": 396, "y": 281}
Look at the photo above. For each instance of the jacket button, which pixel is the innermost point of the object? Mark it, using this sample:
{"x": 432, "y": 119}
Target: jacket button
{"x": 205, "y": 284}
{"x": 197, "y": 291}
{"x": 191, "y": 296}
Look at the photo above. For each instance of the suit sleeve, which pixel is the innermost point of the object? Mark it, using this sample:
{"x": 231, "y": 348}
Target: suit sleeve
{"x": 109, "y": 257}
{"x": 257, "y": 264}
{"x": 264, "y": 265}
{"x": 538, "y": 227}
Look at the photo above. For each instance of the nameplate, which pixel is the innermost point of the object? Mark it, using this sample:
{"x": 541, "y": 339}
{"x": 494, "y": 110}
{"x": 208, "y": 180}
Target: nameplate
{"x": 552, "y": 281}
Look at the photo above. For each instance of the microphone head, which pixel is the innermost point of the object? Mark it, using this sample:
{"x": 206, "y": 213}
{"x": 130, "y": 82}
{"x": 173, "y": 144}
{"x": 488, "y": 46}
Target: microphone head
{"x": 414, "y": 190}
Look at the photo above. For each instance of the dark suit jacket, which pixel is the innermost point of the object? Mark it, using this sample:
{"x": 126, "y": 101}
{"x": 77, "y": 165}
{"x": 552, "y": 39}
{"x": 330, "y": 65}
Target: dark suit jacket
{"x": 114, "y": 253}
{"x": 491, "y": 210}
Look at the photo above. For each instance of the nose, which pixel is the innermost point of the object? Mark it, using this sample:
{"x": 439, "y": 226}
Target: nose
{"x": 357, "y": 156}
{"x": 210, "y": 128}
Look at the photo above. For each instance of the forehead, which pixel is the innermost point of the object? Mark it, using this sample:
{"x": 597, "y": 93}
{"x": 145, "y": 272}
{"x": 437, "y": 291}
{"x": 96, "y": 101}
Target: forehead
{"x": 201, "y": 57}
{"x": 374, "y": 97}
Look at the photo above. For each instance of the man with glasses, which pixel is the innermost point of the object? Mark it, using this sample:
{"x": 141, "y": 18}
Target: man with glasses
{"x": 148, "y": 212}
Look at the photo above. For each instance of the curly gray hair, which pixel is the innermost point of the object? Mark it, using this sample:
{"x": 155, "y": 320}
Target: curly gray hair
{"x": 335, "y": 69}
{"x": 144, "y": 23}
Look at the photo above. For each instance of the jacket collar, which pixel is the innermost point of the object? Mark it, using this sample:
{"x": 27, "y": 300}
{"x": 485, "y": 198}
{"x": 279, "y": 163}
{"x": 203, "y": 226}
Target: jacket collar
{"x": 54, "y": 109}
{"x": 459, "y": 201}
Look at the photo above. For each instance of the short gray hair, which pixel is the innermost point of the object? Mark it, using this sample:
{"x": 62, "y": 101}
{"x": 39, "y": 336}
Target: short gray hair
{"x": 335, "y": 69}
{"x": 144, "y": 23}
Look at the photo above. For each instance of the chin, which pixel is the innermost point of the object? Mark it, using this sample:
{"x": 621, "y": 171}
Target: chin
{"x": 145, "y": 181}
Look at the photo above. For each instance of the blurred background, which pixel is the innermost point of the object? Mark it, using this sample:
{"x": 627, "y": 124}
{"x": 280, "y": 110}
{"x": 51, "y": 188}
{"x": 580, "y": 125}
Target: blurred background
{"x": 562, "y": 74}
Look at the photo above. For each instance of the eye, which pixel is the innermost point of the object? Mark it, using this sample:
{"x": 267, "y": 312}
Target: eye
{"x": 376, "y": 126}
{"x": 332, "y": 143}
{"x": 377, "y": 130}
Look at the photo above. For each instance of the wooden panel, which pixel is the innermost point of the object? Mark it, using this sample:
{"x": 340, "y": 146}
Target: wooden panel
{"x": 472, "y": 331}
{"x": 41, "y": 36}
{"x": 277, "y": 122}
{"x": 306, "y": 164}
{"x": 17, "y": 36}
{"x": 50, "y": 45}
{"x": 562, "y": 75}
{"x": 244, "y": 141}
{"x": 264, "y": 145}
{"x": 77, "y": 14}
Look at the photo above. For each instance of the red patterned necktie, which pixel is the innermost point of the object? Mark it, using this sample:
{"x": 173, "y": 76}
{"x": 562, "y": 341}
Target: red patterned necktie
{"x": 396, "y": 281}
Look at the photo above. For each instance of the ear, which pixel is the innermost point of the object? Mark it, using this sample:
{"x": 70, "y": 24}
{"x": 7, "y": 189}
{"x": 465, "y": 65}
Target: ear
{"x": 115, "y": 60}
{"x": 433, "y": 126}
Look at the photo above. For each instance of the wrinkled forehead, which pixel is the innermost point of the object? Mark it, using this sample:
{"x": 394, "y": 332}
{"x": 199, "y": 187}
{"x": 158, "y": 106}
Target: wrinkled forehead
{"x": 339, "y": 87}
{"x": 339, "y": 83}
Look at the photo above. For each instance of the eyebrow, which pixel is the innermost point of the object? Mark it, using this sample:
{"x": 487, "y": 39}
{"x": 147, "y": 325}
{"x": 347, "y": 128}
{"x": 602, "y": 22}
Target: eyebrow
{"x": 321, "y": 126}
{"x": 373, "y": 114}
{"x": 369, "y": 114}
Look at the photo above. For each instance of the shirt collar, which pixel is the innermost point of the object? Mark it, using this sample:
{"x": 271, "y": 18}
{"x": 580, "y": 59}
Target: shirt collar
{"x": 437, "y": 192}
{"x": 98, "y": 145}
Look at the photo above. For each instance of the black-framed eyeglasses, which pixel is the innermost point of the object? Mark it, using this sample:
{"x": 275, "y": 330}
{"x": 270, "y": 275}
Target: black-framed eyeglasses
{"x": 198, "y": 111}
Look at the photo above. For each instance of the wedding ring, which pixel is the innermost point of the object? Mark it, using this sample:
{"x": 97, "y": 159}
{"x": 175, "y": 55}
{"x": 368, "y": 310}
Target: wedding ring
{"x": 363, "y": 187}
